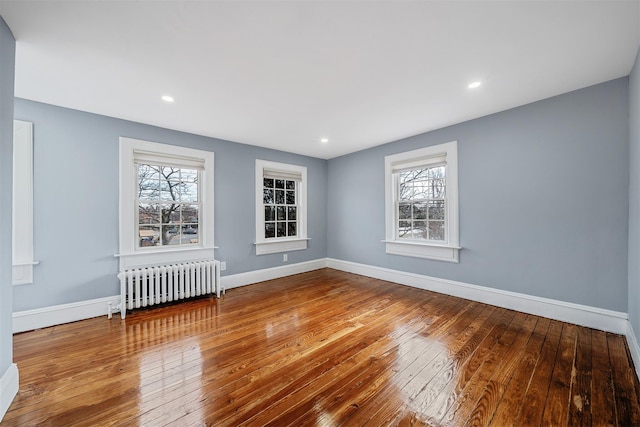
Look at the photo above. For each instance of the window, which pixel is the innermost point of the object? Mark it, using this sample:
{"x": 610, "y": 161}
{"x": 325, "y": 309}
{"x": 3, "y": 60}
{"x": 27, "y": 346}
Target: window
{"x": 166, "y": 203}
{"x": 280, "y": 207}
{"x": 421, "y": 195}
{"x": 279, "y": 196}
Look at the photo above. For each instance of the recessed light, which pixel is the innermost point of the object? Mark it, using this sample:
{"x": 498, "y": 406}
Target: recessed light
{"x": 167, "y": 98}
{"x": 474, "y": 85}
{"x": 324, "y": 140}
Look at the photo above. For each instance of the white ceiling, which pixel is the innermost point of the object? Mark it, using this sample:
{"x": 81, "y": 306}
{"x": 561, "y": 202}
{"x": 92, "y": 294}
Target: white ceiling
{"x": 284, "y": 75}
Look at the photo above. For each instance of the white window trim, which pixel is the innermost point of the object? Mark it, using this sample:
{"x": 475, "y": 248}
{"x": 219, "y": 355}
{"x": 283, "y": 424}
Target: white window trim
{"x": 22, "y": 202}
{"x": 447, "y": 251}
{"x": 130, "y": 255}
{"x": 282, "y": 244}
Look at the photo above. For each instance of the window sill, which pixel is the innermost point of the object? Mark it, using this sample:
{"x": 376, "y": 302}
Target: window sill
{"x": 163, "y": 256}
{"x": 276, "y": 246}
{"x": 422, "y": 250}
{"x": 23, "y": 273}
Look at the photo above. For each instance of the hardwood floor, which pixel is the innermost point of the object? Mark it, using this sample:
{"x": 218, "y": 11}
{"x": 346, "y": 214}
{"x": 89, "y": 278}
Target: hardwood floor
{"x": 324, "y": 348}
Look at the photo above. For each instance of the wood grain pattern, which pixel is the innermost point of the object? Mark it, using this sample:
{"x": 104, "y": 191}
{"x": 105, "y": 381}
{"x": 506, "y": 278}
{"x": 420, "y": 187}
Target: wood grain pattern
{"x": 324, "y": 348}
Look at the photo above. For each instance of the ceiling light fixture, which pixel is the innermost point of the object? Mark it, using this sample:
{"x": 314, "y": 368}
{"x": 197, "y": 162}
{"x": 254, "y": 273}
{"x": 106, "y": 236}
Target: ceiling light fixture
{"x": 324, "y": 140}
{"x": 474, "y": 85}
{"x": 167, "y": 98}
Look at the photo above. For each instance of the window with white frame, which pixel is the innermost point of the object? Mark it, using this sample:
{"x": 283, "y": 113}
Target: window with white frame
{"x": 421, "y": 193}
{"x": 166, "y": 203}
{"x": 280, "y": 207}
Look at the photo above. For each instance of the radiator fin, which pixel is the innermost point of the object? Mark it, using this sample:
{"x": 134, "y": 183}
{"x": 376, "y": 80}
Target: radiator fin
{"x": 145, "y": 286}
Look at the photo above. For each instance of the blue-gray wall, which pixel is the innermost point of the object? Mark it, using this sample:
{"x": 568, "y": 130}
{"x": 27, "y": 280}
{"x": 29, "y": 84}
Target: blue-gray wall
{"x": 7, "y": 66}
{"x": 543, "y": 194}
{"x": 634, "y": 197}
{"x": 76, "y": 202}
{"x": 544, "y": 200}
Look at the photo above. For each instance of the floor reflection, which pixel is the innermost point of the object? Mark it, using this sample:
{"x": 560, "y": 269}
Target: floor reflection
{"x": 423, "y": 368}
{"x": 171, "y": 367}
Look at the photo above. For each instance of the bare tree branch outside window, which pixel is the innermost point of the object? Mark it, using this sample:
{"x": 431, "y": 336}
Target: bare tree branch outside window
{"x": 422, "y": 203}
{"x": 168, "y": 205}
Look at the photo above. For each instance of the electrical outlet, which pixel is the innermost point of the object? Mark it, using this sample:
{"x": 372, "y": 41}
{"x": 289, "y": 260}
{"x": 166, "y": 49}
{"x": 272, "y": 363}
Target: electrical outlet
{"x": 223, "y": 265}
{"x": 285, "y": 258}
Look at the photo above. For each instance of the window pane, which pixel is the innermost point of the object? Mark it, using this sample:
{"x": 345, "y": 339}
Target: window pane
{"x": 404, "y": 230}
{"x": 269, "y": 213}
{"x": 269, "y": 229}
{"x": 149, "y": 236}
{"x": 149, "y": 195}
{"x": 145, "y": 183}
{"x": 436, "y": 230}
{"x": 189, "y": 192}
{"x": 436, "y": 188}
{"x": 281, "y": 229}
{"x": 279, "y": 183}
{"x": 420, "y": 190}
{"x": 279, "y": 197}
{"x": 168, "y": 196}
{"x": 437, "y": 172}
{"x": 267, "y": 196}
{"x": 419, "y": 211}
{"x": 291, "y": 229}
{"x": 189, "y": 175}
{"x": 169, "y": 173}
{"x": 190, "y": 214}
{"x": 419, "y": 229}
{"x": 436, "y": 210}
{"x": 292, "y": 213}
{"x": 406, "y": 191}
{"x": 174, "y": 217}
{"x": 170, "y": 234}
{"x": 170, "y": 213}
{"x": 281, "y": 213}
{"x": 404, "y": 211}
{"x": 414, "y": 175}
{"x": 291, "y": 185}
{"x": 148, "y": 172}
{"x": 268, "y": 182}
{"x": 291, "y": 197}
{"x": 148, "y": 214}
{"x": 190, "y": 229}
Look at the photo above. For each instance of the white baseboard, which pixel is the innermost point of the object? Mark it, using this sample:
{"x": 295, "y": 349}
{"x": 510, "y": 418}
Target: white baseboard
{"x": 58, "y": 314}
{"x": 250, "y": 277}
{"x": 606, "y": 320}
{"x": 598, "y": 318}
{"x": 8, "y": 388}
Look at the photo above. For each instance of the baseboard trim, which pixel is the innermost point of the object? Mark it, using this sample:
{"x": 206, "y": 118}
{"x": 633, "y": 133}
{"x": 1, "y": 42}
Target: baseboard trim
{"x": 606, "y": 320}
{"x": 250, "y": 277}
{"x": 58, "y": 314}
{"x": 9, "y": 383}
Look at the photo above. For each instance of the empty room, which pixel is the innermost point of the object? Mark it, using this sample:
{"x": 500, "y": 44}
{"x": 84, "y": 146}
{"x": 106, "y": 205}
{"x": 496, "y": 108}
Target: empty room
{"x": 323, "y": 213}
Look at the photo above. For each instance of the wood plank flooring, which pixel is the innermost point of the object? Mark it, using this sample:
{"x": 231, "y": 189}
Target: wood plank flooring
{"x": 324, "y": 348}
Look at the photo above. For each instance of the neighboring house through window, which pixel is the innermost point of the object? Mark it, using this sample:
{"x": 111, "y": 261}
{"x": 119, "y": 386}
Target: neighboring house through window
{"x": 421, "y": 194}
{"x": 166, "y": 203}
{"x": 281, "y": 212}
